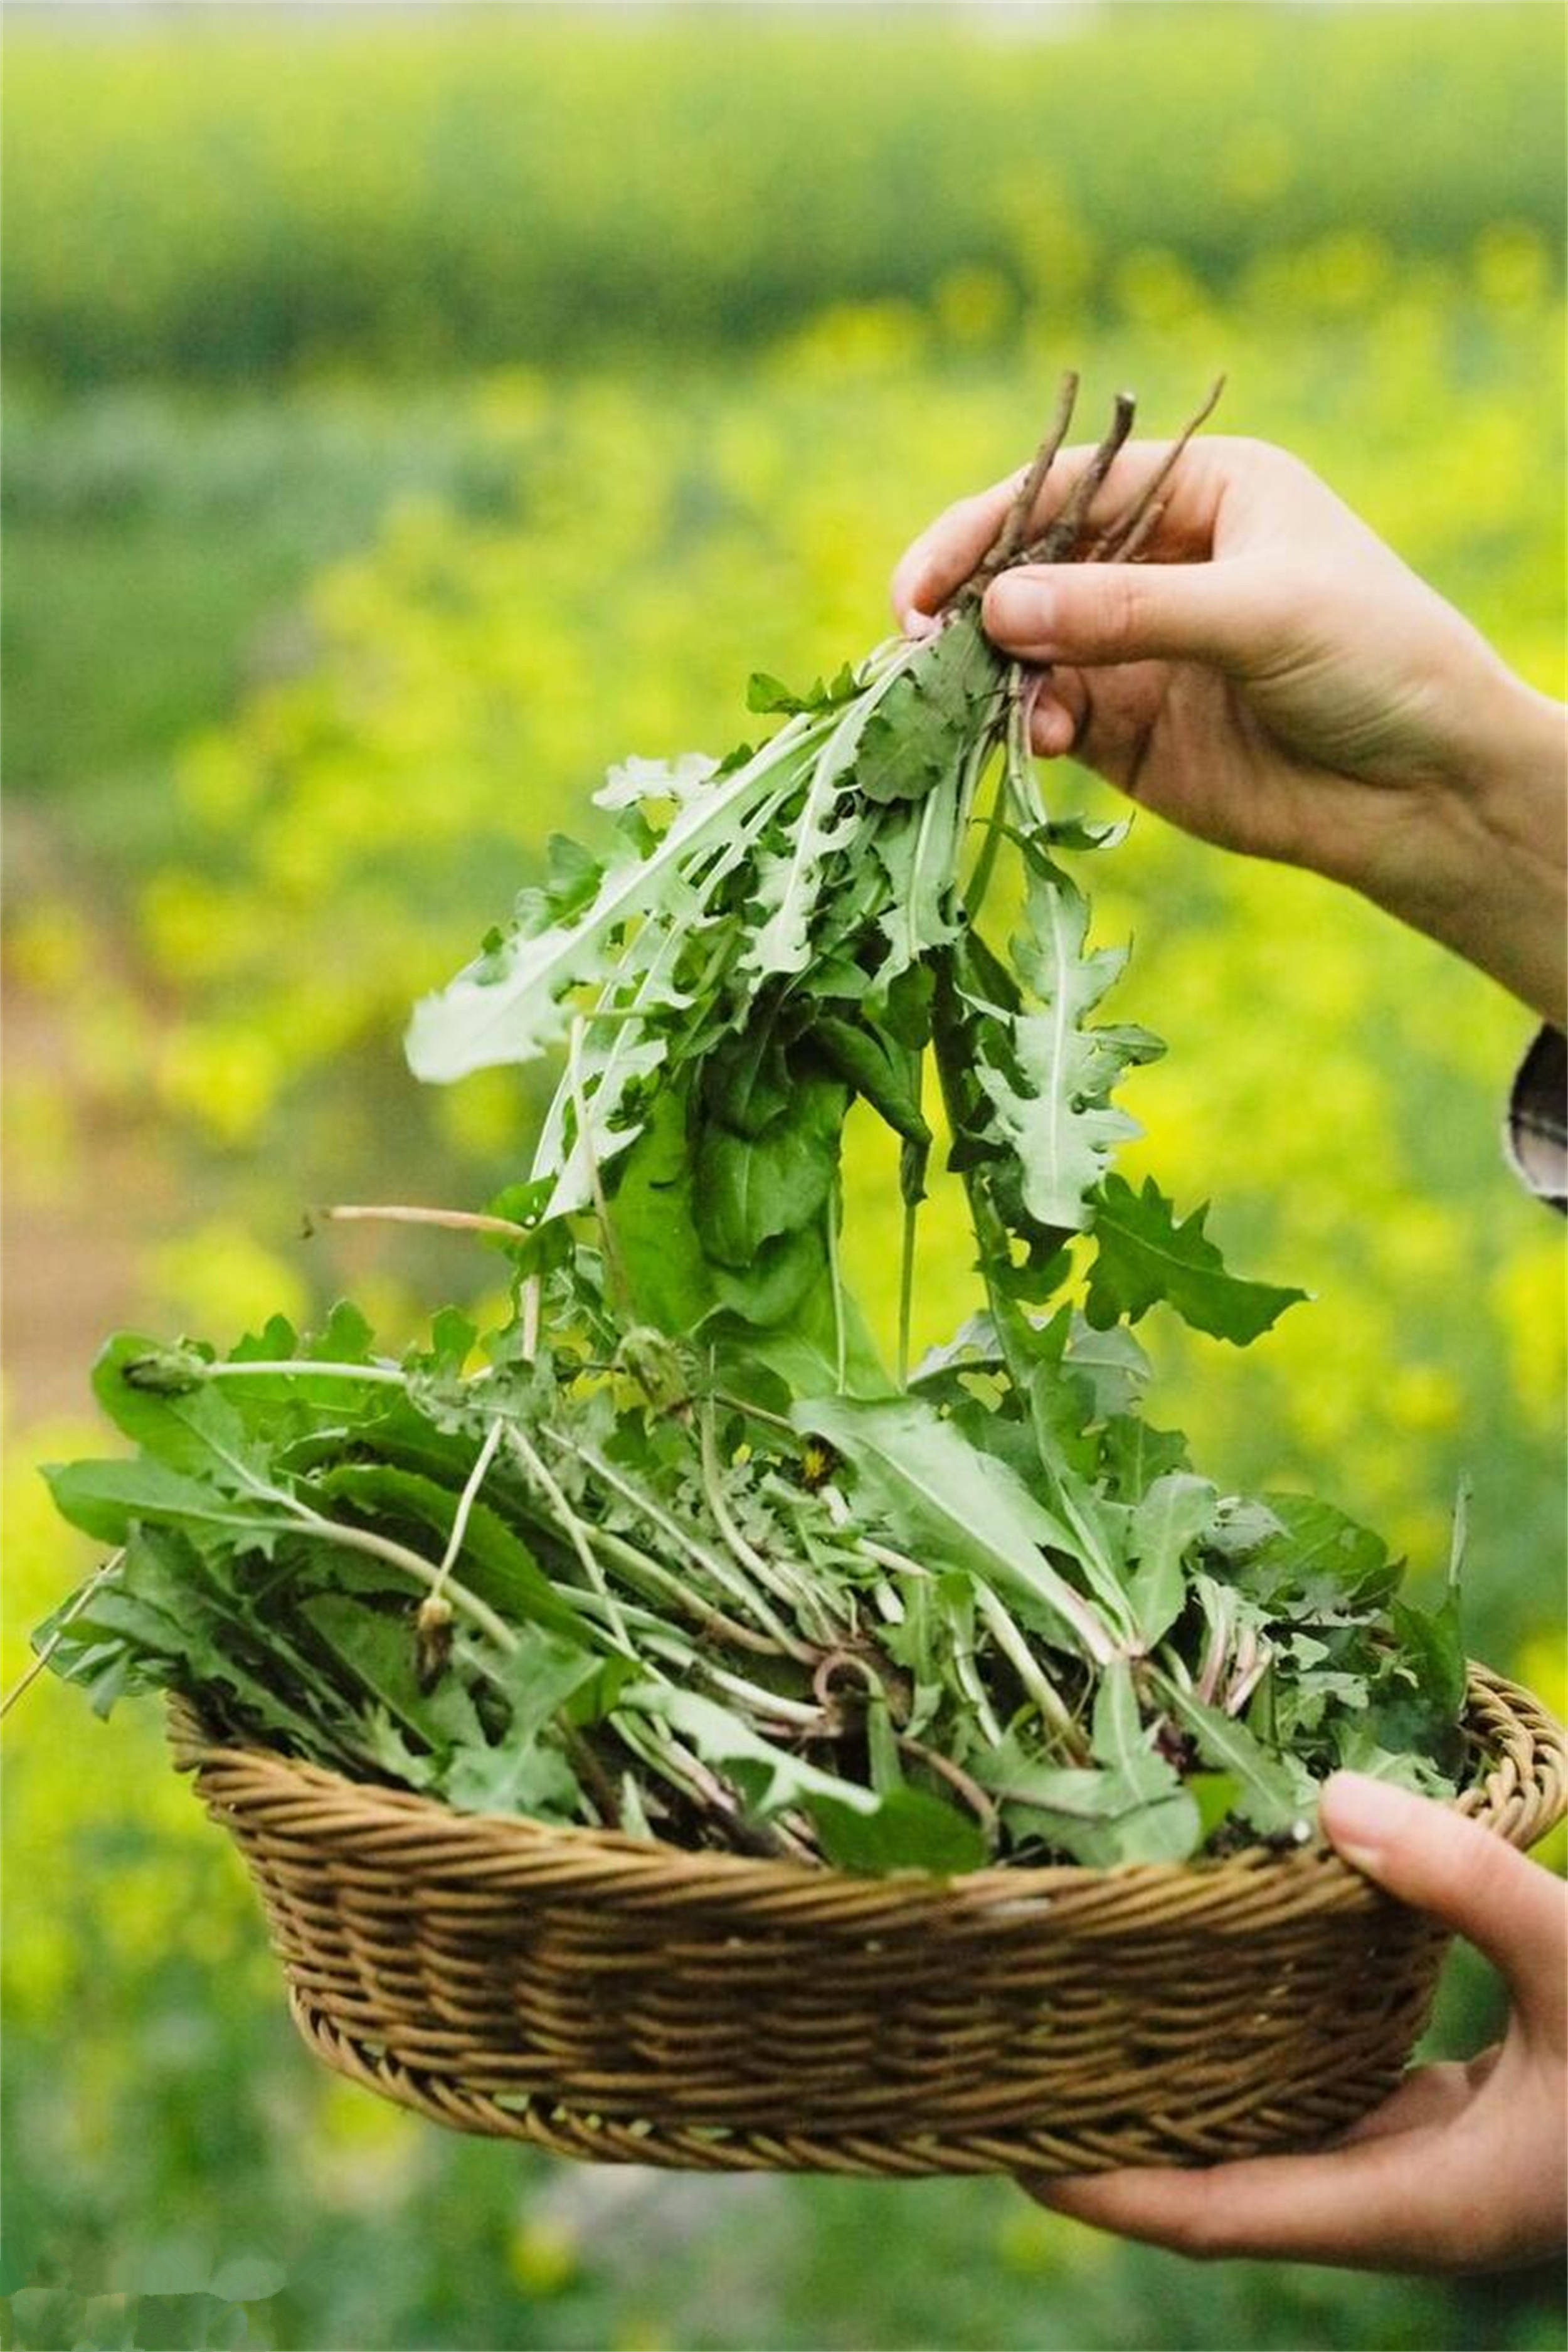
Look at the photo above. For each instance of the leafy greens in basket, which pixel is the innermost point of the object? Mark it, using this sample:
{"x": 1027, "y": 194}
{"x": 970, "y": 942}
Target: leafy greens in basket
{"x": 674, "y": 1551}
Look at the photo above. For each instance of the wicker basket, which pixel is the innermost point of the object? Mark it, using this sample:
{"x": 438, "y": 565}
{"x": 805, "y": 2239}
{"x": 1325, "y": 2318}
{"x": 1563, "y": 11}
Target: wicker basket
{"x": 611, "y": 1999}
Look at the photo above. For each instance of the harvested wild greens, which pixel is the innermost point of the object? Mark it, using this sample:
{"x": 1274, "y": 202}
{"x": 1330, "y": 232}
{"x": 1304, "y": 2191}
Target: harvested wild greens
{"x": 674, "y": 1551}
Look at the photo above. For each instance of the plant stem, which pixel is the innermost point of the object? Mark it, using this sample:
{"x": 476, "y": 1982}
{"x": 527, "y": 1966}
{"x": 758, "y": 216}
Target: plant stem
{"x": 658, "y": 1747}
{"x": 380, "y": 1547}
{"x": 1013, "y": 1646}
{"x": 1252, "y": 1663}
{"x": 1018, "y": 778}
{"x": 974, "y": 1795}
{"x": 1004, "y": 549}
{"x": 386, "y": 1374}
{"x": 31, "y": 1674}
{"x": 614, "y": 1269}
{"x": 840, "y": 1335}
{"x": 580, "y": 1748}
{"x": 466, "y": 1500}
{"x": 979, "y": 881}
{"x": 464, "y": 1220}
{"x": 755, "y": 1695}
{"x": 967, "y": 1674}
{"x": 756, "y": 1413}
{"x": 745, "y": 1553}
{"x": 1059, "y": 541}
{"x": 723, "y": 1575}
{"x": 900, "y": 1562}
{"x": 1123, "y": 537}
{"x": 573, "y": 1527}
{"x": 637, "y": 1568}
{"x": 906, "y": 1289}
{"x": 1216, "y": 1642}
{"x": 791, "y": 1590}
{"x": 912, "y": 1186}
{"x": 990, "y": 1234}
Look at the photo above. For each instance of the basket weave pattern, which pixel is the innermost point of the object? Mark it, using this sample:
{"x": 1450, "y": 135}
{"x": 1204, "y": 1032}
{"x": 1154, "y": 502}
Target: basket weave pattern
{"x": 607, "y": 1998}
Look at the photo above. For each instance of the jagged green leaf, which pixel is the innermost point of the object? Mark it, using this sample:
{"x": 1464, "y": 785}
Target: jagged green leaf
{"x": 1316, "y": 1557}
{"x": 508, "y": 1005}
{"x": 1143, "y": 1255}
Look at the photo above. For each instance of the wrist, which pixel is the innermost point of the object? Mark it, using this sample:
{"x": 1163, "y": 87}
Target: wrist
{"x": 1517, "y": 773}
{"x": 1493, "y": 884}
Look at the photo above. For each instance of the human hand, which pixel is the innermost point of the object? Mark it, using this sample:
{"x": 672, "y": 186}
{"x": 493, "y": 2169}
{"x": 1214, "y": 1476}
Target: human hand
{"x": 1465, "y": 2166}
{"x": 1280, "y": 683}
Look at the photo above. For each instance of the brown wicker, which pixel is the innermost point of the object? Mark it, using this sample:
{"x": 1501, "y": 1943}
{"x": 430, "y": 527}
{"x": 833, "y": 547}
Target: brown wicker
{"x": 607, "y": 1998}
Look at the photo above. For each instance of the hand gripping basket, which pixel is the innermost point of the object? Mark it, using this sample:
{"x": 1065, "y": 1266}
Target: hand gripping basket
{"x": 607, "y": 1998}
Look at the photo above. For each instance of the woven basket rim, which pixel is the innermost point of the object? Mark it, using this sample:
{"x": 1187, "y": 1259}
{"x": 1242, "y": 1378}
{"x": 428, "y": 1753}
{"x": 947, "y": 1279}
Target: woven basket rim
{"x": 1521, "y": 1811}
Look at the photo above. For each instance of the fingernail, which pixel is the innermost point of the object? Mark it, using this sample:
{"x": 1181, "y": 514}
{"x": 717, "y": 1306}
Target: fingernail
{"x": 918, "y": 623}
{"x": 1364, "y": 1816}
{"x": 1020, "y": 612}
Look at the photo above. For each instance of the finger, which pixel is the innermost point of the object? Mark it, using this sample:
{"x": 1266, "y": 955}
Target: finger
{"x": 1053, "y": 727}
{"x": 1352, "y": 2206}
{"x": 947, "y": 551}
{"x": 1096, "y": 614}
{"x": 1428, "y": 1855}
{"x": 1430, "y": 2096}
{"x": 1111, "y": 714}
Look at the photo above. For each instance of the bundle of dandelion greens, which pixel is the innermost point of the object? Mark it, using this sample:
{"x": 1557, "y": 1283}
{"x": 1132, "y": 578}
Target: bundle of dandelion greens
{"x": 679, "y": 1555}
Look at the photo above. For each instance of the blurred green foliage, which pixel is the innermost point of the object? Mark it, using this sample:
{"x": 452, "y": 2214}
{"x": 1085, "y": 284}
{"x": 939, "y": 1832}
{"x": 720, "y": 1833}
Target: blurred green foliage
{"x": 209, "y": 199}
{"x": 300, "y": 684}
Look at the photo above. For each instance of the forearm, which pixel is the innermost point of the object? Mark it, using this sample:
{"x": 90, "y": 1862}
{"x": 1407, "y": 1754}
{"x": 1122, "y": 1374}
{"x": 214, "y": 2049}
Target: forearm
{"x": 1491, "y": 881}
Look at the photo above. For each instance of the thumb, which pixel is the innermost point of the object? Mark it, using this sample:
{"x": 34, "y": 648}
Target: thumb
{"x": 1465, "y": 1874}
{"x": 1089, "y": 614}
